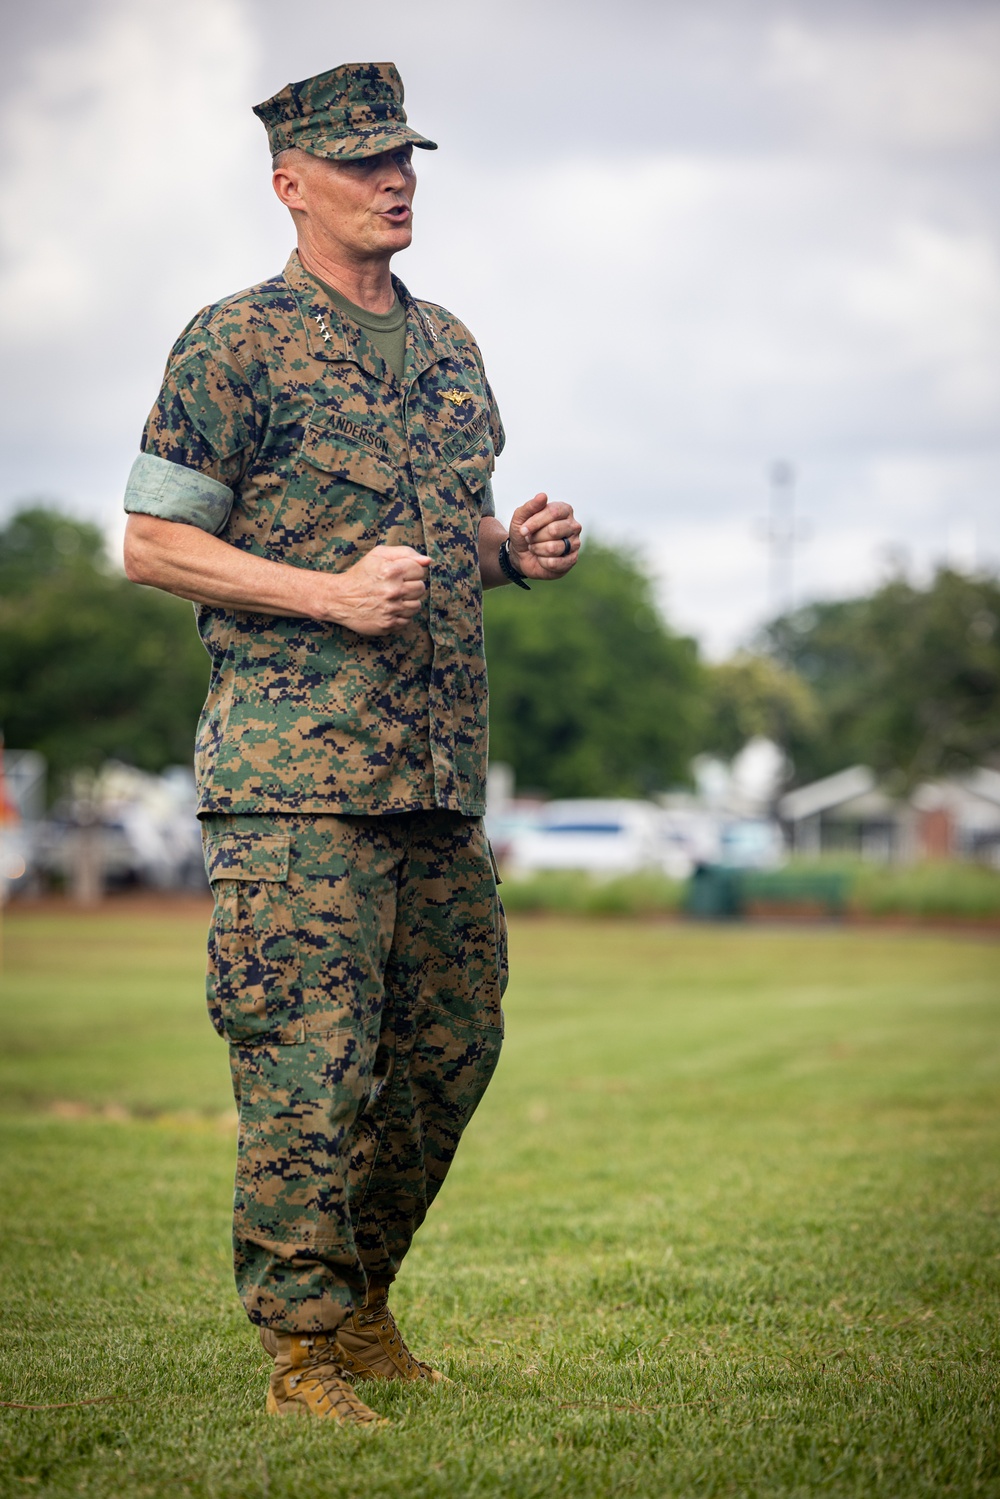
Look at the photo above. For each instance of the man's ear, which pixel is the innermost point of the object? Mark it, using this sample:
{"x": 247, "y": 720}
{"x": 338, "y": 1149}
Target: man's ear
{"x": 287, "y": 183}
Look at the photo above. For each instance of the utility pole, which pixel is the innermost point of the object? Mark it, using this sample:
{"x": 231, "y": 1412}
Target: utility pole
{"x": 782, "y": 533}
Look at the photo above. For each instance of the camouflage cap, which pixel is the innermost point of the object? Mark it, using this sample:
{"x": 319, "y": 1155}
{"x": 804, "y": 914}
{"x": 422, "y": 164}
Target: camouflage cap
{"x": 349, "y": 112}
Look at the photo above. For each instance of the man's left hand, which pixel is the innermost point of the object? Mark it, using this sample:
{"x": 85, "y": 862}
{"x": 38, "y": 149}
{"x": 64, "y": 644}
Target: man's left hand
{"x": 539, "y": 532}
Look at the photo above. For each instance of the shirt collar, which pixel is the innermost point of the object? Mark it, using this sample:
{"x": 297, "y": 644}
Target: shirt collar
{"x": 330, "y": 335}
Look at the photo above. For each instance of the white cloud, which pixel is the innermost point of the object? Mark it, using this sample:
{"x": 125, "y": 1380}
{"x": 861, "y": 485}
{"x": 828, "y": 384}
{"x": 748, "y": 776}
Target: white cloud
{"x": 657, "y": 332}
{"x": 718, "y": 305}
{"x": 934, "y": 83}
{"x": 121, "y": 150}
{"x": 935, "y": 299}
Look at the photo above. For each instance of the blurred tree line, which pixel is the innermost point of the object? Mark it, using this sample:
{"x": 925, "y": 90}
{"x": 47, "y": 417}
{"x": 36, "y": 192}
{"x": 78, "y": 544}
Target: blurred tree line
{"x": 592, "y": 692}
{"x": 907, "y": 679}
{"x": 91, "y": 667}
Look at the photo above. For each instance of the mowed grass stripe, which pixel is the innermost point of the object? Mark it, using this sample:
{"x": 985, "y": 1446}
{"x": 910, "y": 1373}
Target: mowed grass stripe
{"x": 725, "y": 1224}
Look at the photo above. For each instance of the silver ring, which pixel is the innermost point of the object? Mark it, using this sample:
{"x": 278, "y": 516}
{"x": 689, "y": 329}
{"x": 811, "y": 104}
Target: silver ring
{"x": 567, "y": 546}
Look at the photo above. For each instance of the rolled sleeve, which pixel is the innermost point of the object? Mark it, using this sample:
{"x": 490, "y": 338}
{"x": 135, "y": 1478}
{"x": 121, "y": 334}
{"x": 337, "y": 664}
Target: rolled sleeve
{"x": 172, "y": 492}
{"x": 487, "y": 504}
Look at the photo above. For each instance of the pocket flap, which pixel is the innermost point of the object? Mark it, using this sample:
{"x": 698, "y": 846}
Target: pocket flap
{"x": 247, "y": 856}
{"x": 361, "y": 459}
{"x": 475, "y": 467}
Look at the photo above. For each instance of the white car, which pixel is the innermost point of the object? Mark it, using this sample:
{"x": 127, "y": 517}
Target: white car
{"x": 601, "y": 836}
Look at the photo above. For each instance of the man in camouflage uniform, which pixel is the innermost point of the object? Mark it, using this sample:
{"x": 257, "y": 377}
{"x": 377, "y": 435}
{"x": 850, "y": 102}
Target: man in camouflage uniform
{"x": 316, "y": 476}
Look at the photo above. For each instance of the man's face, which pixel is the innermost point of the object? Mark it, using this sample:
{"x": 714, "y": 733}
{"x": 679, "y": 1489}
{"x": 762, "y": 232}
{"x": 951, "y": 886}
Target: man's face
{"x": 364, "y": 207}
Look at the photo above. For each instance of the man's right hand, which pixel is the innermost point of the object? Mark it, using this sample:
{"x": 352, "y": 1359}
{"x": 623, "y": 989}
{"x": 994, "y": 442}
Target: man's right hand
{"x": 379, "y": 594}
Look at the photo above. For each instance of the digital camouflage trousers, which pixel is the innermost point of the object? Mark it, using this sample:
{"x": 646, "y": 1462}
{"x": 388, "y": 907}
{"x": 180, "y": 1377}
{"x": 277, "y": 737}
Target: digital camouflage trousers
{"x": 356, "y": 967}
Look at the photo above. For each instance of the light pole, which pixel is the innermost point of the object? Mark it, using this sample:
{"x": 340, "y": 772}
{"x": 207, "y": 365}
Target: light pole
{"x": 782, "y": 533}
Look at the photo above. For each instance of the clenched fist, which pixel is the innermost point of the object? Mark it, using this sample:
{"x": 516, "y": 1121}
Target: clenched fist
{"x": 544, "y": 538}
{"x": 380, "y": 593}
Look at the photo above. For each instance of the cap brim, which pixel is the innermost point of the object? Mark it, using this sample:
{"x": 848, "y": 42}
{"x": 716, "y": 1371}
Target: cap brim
{"x": 361, "y": 142}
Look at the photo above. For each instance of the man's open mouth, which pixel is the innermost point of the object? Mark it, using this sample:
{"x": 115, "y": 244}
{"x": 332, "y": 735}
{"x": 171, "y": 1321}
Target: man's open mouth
{"x": 399, "y": 212}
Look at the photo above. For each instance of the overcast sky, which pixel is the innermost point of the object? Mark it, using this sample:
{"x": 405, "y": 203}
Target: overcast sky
{"x": 691, "y": 239}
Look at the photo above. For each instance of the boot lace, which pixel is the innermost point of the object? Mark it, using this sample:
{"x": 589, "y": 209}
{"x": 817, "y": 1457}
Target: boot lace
{"x": 379, "y": 1313}
{"x": 335, "y": 1383}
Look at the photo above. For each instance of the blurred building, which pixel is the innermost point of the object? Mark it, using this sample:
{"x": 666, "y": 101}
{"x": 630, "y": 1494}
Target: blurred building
{"x": 112, "y": 829}
{"x": 850, "y": 813}
{"x": 959, "y": 817}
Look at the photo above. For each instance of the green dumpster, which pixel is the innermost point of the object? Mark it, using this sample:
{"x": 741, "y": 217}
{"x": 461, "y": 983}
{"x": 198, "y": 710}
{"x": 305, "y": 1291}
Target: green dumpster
{"x": 713, "y": 893}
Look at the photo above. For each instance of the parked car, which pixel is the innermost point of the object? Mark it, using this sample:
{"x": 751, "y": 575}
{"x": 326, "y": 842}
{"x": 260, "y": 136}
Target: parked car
{"x": 602, "y": 836}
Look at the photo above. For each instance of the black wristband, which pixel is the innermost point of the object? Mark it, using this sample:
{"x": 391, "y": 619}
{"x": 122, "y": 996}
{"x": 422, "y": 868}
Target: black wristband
{"x": 507, "y": 567}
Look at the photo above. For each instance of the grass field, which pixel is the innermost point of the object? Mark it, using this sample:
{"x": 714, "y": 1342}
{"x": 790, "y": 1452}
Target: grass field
{"x": 726, "y": 1224}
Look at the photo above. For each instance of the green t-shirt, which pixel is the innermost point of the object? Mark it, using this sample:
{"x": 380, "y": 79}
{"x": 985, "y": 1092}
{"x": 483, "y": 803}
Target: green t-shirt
{"x": 387, "y": 330}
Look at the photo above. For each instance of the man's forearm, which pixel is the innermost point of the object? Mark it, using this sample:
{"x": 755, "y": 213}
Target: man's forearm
{"x": 195, "y": 565}
{"x": 381, "y": 592}
{"x": 491, "y": 533}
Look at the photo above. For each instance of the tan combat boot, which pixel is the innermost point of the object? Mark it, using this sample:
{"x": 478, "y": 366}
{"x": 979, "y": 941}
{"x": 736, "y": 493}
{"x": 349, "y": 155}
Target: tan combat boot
{"x": 370, "y": 1345}
{"x": 309, "y": 1379}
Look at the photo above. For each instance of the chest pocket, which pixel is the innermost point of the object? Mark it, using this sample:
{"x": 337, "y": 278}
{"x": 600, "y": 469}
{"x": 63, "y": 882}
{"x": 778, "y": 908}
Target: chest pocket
{"x": 475, "y": 465}
{"x": 359, "y": 460}
{"x": 345, "y": 495}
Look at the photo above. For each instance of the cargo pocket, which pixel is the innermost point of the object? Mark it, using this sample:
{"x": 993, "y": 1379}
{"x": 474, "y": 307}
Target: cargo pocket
{"x": 503, "y": 965}
{"x": 254, "y": 976}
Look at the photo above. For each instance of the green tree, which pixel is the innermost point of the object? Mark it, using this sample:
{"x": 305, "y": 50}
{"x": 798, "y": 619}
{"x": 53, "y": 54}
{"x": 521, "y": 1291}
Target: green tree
{"x": 91, "y": 666}
{"x": 908, "y": 679}
{"x": 39, "y": 545}
{"x": 752, "y": 695}
{"x": 590, "y": 692}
